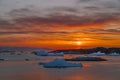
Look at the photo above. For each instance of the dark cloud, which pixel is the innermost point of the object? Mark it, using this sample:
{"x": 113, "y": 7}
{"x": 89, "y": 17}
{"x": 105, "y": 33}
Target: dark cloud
{"x": 24, "y": 24}
{"x": 113, "y": 30}
{"x": 70, "y": 20}
{"x": 22, "y": 12}
{"x": 102, "y": 5}
{"x": 61, "y": 9}
{"x": 33, "y": 32}
{"x": 4, "y": 24}
{"x": 103, "y": 31}
{"x": 106, "y": 17}
{"x": 84, "y": 0}
{"x": 92, "y": 7}
{"x": 111, "y": 4}
{"x": 7, "y": 25}
{"x": 12, "y": 32}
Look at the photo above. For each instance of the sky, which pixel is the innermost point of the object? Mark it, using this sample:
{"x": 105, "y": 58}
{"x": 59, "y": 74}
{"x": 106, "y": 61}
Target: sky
{"x": 60, "y": 24}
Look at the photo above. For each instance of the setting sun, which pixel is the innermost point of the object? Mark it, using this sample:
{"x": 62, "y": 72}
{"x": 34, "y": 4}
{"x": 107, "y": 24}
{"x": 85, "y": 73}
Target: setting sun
{"x": 78, "y": 43}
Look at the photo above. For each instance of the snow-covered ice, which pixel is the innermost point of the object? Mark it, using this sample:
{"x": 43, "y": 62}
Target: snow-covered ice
{"x": 97, "y": 54}
{"x": 114, "y": 54}
{"x": 56, "y": 54}
{"x": 44, "y": 53}
{"x": 60, "y": 63}
{"x": 41, "y": 53}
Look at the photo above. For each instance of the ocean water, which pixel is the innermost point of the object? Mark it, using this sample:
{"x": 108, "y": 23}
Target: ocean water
{"x": 16, "y": 68}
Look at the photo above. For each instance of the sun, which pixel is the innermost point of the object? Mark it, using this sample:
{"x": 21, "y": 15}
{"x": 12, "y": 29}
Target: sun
{"x": 78, "y": 43}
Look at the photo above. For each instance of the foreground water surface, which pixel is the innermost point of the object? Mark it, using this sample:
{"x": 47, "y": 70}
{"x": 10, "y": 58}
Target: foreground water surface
{"x": 18, "y": 69}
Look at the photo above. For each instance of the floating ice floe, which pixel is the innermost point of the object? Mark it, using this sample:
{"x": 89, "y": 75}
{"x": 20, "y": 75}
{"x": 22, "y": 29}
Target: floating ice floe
{"x": 41, "y": 53}
{"x": 114, "y": 54}
{"x": 56, "y": 54}
{"x": 85, "y": 58}
{"x": 44, "y": 53}
{"x": 97, "y": 54}
{"x": 60, "y": 63}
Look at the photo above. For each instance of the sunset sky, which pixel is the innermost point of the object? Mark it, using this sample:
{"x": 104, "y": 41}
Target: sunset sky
{"x": 60, "y": 24}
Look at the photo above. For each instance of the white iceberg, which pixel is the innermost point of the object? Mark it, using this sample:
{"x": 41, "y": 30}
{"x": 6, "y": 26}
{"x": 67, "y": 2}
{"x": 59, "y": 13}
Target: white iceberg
{"x": 114, "y": 54}
{"x": 41, "y": 53}
{"x": 44, "y": 53}
{"x": 99, "y": 53}
{"x": 56, "y": 54}
{"x": 60, "y": 63}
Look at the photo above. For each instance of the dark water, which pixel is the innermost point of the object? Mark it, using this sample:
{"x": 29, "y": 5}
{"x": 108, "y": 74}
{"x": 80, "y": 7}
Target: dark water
{"x": 30, "y": 70}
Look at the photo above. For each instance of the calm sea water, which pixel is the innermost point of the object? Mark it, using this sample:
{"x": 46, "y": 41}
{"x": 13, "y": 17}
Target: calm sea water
{"x": 30, "y": 70}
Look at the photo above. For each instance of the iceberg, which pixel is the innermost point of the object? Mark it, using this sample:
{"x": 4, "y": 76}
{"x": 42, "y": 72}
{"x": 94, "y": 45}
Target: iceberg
{"x": 85, "y": 58}
{"x": 97, "y": 54}
{"x": 60, "y": 63}
{"x": 44, "y": 53}
{"x": 41, "y": 53}
{"x": 114, "y": 54}
{"x": 56, "y": 54}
